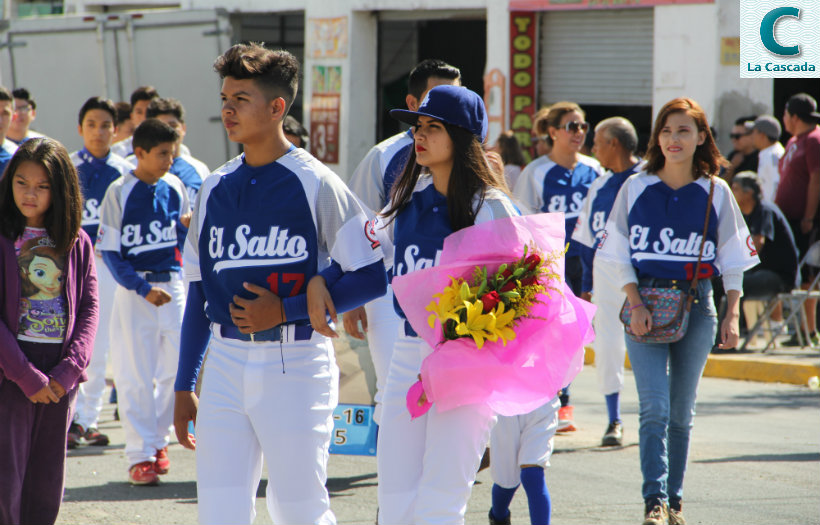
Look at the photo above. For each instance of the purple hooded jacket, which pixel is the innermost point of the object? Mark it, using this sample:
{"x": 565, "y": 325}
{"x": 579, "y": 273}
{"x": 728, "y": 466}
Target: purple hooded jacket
{"x": 81, "y": 327}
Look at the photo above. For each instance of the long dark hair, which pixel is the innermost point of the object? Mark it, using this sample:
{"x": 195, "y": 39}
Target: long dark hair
{"x": 707, "y": 160}
{"x": 64, "y": 217}
{"x": 471, "y": 177}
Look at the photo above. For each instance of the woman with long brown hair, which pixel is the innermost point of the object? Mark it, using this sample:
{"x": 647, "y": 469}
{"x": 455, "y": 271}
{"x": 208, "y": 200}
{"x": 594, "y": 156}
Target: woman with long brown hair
{"x": 655, "y": 238}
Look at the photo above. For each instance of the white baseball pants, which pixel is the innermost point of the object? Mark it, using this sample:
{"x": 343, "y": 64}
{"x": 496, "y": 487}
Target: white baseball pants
{"x": 609, "y": 344}
{"x": 427, "y": 466}
{"x": 144, "y": 358}
{"x": 382, "y": 330}
{"x": 249, "y": 407}
{"x": 90, "y": 394}
{"x": 522, "y": 440}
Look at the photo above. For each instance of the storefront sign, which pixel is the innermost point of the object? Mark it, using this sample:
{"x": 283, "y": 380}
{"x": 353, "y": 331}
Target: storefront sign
{"x": 523, "y": 102}
{"x": 550, "y": 5}
{"x": 325, "y": 108}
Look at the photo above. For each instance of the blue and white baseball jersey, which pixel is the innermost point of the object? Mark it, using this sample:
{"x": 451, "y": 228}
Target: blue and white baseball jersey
{"x": 7, "y": 150}
{"x": 95, "y": 177}
{"x": 658, "y": 230}
{"x": 141, "y": 222}
{"x": 414, "y": 240}
{"x": 598, "y": 203}
{"x": 275, "y": 226}
{"x": 191, "y": 172}
{"x": 544, "y": 186}
{"x": 384, "y": 163}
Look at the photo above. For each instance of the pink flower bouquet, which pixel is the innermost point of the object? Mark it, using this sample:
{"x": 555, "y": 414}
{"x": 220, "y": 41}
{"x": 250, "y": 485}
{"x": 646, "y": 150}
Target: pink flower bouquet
{"x": 505, "y": 328}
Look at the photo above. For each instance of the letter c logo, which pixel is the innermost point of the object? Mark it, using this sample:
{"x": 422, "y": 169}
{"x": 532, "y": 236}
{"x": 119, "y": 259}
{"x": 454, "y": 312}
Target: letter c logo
{"x": 767, "y": 31}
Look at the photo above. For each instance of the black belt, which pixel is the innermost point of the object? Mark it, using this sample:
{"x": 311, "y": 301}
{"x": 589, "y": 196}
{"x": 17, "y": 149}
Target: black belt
{"x": 157, "y": 277}
{"x": 301, "y": 333}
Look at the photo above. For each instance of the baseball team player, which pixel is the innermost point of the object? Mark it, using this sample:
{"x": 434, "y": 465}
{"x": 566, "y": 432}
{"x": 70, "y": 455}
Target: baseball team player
{"x": 558, "y": 182}
{"x": 264, "y": 225}
{"x": 372, "y": 182}
{"x": 427, "y": 466}
{"x": 140, "y": 236}
{"x": 97, "y": 168}
{"x": 7, "y": 147}
{"x": 614, "y": 146}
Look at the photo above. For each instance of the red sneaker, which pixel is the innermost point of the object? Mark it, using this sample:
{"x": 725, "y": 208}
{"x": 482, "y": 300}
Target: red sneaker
{"x": 143, "y": 474}
{"x": 75, "y": 432}
{"x": 565, "y": 423}
{"x": 162, "y": 464}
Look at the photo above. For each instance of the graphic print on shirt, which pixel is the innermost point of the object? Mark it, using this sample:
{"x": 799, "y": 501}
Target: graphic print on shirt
{"x": 662, "y": 250}
{"x": 146, "y": 232}
{"x": 251, "y": 234}
{"x": 42, "y": 305}
{"x": 564, "y": 191}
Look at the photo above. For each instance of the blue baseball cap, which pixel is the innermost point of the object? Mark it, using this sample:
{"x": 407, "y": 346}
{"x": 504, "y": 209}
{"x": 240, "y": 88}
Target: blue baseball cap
{"x": 455, "y": 105}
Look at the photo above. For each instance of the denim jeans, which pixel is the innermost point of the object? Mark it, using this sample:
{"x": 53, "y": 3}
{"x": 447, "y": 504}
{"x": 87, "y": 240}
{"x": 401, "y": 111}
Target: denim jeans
{"x": 667, "y": 376}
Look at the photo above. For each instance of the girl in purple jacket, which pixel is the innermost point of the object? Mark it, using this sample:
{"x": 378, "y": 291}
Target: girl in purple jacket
{"x": 48, "y": 318}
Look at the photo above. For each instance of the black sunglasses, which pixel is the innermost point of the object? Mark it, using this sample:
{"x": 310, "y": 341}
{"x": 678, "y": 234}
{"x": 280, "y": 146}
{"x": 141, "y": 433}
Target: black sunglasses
{"x": 735, "y": 136}
{"x": 575, "y": 126}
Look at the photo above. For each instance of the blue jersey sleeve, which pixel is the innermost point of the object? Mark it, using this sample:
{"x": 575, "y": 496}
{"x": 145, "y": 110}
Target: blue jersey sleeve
{"x": 332, "y": 274}
{"x": 587, "y": 255}
{"x": 352, "y": 290}
{"x": 196, "y": 333}
{"x": 124, "y": 273}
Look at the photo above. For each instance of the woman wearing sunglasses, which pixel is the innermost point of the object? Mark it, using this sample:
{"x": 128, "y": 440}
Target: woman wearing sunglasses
{"x": 653, "y": 238}
{"x": 558, "y": 182}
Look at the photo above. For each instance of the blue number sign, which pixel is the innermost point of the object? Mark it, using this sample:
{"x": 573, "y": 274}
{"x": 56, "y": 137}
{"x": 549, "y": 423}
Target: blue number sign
{"x": 354, "y": 431}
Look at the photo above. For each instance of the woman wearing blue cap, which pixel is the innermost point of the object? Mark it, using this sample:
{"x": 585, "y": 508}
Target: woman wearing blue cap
{"x": 427, "y": 466}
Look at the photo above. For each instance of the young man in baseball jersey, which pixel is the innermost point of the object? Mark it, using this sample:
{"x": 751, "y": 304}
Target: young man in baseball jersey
{"x": 372, "y": 182}
{"x": 141, "y": 235}
{"x": 264, "y": 225}
{"x": 97, "y": 168}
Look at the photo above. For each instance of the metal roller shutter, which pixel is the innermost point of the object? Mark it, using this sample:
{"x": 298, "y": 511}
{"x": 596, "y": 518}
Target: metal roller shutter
{"x": 597, "y": 57}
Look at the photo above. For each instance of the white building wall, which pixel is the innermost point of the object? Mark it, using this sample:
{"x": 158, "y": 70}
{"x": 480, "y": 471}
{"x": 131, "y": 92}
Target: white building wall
{"x": 686, "y": 55}
{"x": 687, "y": 63}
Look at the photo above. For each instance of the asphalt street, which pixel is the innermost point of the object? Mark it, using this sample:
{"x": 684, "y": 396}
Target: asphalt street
{"x": 755, "y": 459}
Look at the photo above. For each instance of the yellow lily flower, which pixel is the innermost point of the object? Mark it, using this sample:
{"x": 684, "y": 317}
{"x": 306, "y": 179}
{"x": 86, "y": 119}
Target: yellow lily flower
{"x": 476, "y": 324}
{"x": 503, "y": 323}
{"x": 448, "y": 305}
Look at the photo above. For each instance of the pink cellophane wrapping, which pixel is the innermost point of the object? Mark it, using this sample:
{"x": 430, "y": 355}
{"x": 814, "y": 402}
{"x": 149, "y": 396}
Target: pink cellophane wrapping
{"x": 546, "y": 354}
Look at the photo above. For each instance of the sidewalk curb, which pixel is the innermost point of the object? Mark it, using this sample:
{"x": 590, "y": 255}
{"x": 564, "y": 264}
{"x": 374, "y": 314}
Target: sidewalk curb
{"x": 747, "y": 367}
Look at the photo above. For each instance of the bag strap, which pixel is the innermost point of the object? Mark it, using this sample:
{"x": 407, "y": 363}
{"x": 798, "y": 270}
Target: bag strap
{"x": 693, "y": 287}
